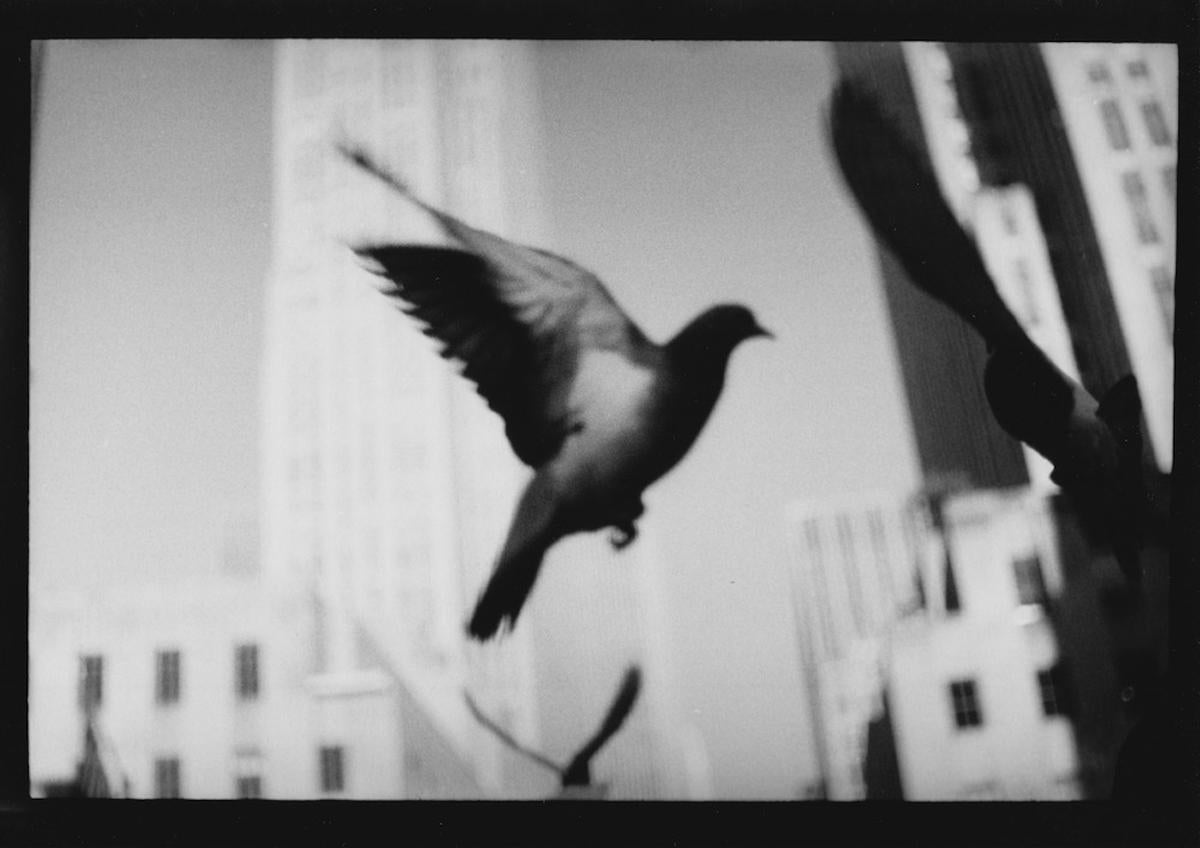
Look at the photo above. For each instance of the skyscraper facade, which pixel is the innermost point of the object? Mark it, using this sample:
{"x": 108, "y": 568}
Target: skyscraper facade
{"x": 387, "y": 482}
{"x": 1119, "y": 108}
{"x": 854, "y": 572}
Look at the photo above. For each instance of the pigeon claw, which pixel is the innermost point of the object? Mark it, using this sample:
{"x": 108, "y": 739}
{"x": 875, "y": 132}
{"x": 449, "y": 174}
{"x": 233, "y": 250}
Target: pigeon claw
{"x": 622, "y": 536}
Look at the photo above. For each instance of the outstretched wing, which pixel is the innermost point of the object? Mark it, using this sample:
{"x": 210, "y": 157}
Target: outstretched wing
{"x": 897, "y": 191}
{"x": 899, "y": 194}
{"x": 618, "y": 711}
{"x": 516, "y": 317}
{"x": 506, "y": 738}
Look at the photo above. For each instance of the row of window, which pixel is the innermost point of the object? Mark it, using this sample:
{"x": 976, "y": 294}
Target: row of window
{"x": 1161, "y": 280}
{"x": 168, "y": 782}
{"x": 1054, "y": 689}
{"x": 1118, "y": 131}
{"x": 1101, "y": 73}
{"x": 168, "y": 676}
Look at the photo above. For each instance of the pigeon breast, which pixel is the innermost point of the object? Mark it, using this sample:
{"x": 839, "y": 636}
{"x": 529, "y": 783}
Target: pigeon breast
{"x": 611, "y": 401}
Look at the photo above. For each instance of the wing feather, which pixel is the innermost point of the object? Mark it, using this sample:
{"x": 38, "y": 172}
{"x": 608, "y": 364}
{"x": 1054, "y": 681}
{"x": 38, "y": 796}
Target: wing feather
{"x": 1030, "y": 397}
{"x": 516, "y": 317}
{"x": 897, "y": 191}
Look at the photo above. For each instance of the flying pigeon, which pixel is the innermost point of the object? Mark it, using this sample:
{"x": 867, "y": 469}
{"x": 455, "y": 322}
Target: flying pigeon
{"x": 577, "y": 772}
{"x": 1096, "y": 448}
{"x": 596, "y": 409}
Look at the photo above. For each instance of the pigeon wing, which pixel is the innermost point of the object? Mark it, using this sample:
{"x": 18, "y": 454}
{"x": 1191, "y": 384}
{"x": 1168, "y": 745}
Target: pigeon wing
{"x": 505, "y": 737}
{"x": 897, "y": 191}
{"x": 899, "y": 194}
{"x": 618, "y": 711}
{"x": 516, "y": 317}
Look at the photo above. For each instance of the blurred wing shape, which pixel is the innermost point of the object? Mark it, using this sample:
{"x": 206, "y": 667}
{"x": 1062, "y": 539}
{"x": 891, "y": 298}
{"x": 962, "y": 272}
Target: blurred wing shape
{"x": 504, "y": 736}
{"x": 899, "y": 194}
{"x": 618, "y": 711}
{"x": 1030, "y": 397}
{"x": 517, "y": 317}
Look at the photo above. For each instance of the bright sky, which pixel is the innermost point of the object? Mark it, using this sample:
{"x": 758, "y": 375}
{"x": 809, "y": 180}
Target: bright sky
{"x": 683, "y": 174}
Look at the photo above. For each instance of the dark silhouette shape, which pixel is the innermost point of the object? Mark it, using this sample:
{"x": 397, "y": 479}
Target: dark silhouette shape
{"x": 577, "y": 772}
{"x": 1095, "y": 448}
{"x": 594, "y": 407}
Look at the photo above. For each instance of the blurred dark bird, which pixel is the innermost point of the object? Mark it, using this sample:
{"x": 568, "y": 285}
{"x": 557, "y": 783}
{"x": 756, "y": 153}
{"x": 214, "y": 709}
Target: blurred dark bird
{"x": 1096, "y": 448}
{"x": 599, "y": 411}
{"x": 577, "y": 772}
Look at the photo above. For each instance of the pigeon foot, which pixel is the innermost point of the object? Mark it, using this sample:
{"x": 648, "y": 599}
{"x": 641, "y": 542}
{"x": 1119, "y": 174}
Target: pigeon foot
{"x": 622, "y": 535}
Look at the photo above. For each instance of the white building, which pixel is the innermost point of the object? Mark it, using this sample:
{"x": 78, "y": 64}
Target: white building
{"x": 942, "y": 640}
{"x": 1120, "y": 104}
{"x": 979, "y": 701}
{"x": 203, "y": 689}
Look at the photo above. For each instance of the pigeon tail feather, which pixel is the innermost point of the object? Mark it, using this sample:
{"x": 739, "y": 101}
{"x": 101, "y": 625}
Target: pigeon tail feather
{"x": 530, "y": 536}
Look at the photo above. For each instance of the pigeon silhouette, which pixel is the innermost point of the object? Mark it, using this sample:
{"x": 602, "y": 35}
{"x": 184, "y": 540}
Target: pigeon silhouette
{"x": 598, "y": 411}
{"x": 577, "y": 772}
{"x": 1095, "y": 448}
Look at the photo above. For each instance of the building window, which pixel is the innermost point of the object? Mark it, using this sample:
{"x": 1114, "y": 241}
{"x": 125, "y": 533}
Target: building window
{"x": 1164, "y": 293}
{"x": 166, "y": 778}
{"x": 950, "y": 599}
{"x": 1031, "y": 585}
{"x": 246, "y": 662}
{"x": 249, "y": 786}
{"x": 1156, "y": 123}
{"x": 166, "y": 677}
{"x": 1135, "y": 193}
{"x": 1055, "y": 688}
{"x": 91, "y": 681}
{"x": 1098, "y": 72}
{"x": 1114, "y": 125}
{"x": 965, "y": 701}
{"x": 1137, "y": 69}
{"x": 332, "y": 769}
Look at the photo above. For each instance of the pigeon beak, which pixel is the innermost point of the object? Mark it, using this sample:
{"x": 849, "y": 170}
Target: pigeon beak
{"x": 762, "y": 331}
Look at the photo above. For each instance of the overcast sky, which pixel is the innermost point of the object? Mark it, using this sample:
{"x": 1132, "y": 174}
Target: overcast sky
{"x": 682, "y": 174}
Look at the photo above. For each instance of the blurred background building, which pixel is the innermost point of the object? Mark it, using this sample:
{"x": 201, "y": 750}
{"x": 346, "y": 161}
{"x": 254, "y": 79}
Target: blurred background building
{"x": 1023, "y": 659}
{"x": 933, "y": 667}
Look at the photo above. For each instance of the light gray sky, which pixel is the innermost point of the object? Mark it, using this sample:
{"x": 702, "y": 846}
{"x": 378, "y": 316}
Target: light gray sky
{"x": 683, "y": 174}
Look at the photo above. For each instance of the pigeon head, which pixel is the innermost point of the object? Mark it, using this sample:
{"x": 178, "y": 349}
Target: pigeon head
{"x": 716, "y": 332}
{"x": 729, "y": 324}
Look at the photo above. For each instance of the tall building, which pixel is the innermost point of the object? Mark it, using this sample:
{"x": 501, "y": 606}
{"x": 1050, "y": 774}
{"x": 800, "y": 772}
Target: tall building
{"x": 854, "y": 572}
{"x": 387, "y": 482}
{"x": 1119, "y": 108}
